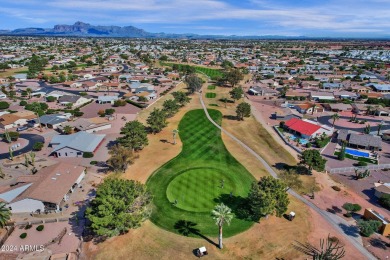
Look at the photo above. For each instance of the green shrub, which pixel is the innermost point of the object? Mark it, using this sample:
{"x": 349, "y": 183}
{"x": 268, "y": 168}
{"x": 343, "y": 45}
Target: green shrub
{"x": 119, "y": 103}
{"x": 51, "y": 99}
{"x": 308, "y": 145}
{"x": 14, "y": 136}
{"x": 93, "y": 162}
{"x": 23, "y": 235}
{"x": 40, "y": 227}
{"x": 384, "y": 201}
{"x": 4, "y": 105}
{"x": 23, "y": 103}
{"x": 28, "y": 226}
{"x": 87, "y": 155}
{"x": 38, "y": 146}
{"x": 362, "y": 163}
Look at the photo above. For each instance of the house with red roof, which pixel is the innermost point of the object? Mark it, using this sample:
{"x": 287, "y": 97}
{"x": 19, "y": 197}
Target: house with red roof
{"x": 306, "y": 128}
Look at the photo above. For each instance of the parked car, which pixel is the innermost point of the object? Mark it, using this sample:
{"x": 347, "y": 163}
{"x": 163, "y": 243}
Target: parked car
{"x": 21, "y": 128}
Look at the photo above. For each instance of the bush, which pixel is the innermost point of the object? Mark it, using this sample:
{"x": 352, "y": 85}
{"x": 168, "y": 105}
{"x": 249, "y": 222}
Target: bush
{"x": 109, "y": 111}
{"x": 4, "y": 105}
{"x": 93, "y": 162}
{"x": 336, "y": 188}
{"x": 348, "y": 215}
{"x": 23, "y": 103}
{"x": 119, "y": 103}
{"x": 139, "y": 105}
{"x": 50, "y": 99}
{"x": 350, "y": 207}
{"x": 14, "y": 136}
{"x": 87, "y": 155}
{"x": 78, "y": 113}
{"x": 362, "y": 164}
{"x": 40, "y": 227}
{"x": 28, "y": 226}
{"x": 308, "y": 145}
{"x": 38, "y": 146}
{"x": 23, "y": 235}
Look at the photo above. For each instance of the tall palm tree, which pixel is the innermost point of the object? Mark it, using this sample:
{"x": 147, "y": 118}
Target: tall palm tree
{"x": 221, "y": 214}
{"x": 335, "y": 117}
{"x": 380, "y": 125}
{"x": 5, "y": 214}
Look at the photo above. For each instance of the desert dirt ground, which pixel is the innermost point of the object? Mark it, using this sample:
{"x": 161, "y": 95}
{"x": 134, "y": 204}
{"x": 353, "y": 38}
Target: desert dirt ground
{"x": 270, "y": 239}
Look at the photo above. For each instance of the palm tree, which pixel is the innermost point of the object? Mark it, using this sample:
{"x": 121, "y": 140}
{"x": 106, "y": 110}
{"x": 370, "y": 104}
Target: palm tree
{"x": 335, "y": 117}
{"x": 5, "y": 214}
{"x": 329, "y": 249}
{"x": 67, "y": 129}
{"x": 221, "y": 214}
{"x": 380, "y": 125}
{"x": 368, "y": 111}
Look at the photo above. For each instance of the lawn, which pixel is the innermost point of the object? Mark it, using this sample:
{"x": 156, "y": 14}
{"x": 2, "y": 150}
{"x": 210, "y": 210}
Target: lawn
{"x": 211, "y": 87}
{"x": 211, "y": 95}
{"x": 194, "y": 179}
{"x": 212, "y": 73}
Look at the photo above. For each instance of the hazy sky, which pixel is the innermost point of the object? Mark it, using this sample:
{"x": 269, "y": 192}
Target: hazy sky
{"x": 246, "y": 17}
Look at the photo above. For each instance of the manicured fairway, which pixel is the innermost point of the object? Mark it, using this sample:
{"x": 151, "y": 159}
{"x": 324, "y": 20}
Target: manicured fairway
{"x": 211, "y": 95}
{"x": 194, "y": 179}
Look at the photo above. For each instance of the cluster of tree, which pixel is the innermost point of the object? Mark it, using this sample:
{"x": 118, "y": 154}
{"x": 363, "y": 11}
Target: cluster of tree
{"x": 368, "y": 227}
{"x": 36, "y": 65}
{"x": 351, "y": 208}
{"x": 194, "y": 83}
{"x": 376, "y": 101}
{"x": 267, "y": 197}
{"x": 231, "y": 76}
{"x": 236, "y": 93}
{"x": 119, "y": 205}
{"x": 186, "y": 69}
{"x": 313, "y": 160}
{"x": 106, "y": 112}
{"x": 322, "y": 140}
{"x": 4, "y": 66}
{"x": 291, "y": 178}
{"x": 37, "y": 107}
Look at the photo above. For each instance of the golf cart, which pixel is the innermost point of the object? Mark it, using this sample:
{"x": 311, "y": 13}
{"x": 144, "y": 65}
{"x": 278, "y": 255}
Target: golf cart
{"x": 201, "y": 251}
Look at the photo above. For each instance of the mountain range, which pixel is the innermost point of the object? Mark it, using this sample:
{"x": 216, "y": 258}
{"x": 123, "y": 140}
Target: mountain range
{"x": 81, "y": 29}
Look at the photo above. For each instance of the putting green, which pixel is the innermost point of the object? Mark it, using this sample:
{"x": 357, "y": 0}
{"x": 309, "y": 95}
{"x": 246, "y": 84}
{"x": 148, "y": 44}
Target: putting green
{"x": 206, "y": 185}
{"x": 193, "y": 178}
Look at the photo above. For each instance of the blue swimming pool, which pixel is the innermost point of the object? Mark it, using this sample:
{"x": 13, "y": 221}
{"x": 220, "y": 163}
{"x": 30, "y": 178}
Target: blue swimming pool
{"x": 301, "y": 140}
{"x": 357, "y": 153}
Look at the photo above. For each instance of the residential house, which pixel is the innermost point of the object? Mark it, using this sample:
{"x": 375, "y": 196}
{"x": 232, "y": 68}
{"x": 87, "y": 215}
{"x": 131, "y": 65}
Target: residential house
{"x": 321, "y": 95}
{"x": 307, "y": 129}
{"x": 21, "y": 118}
{"x": 46, "y": 191}
{"x": 75, "y": 145}
{"x": 383, "y": 88}
{"x": 88, "y": 125}
{"x": 362, "y": 141}
{"x": 107, "y": 99}
{"x": 309, "y": 108}
{"x": 332, "y": 86}
{"x": 262, "y": 91}
{"x": 75, "y": 100}
{"x": 53, "y": 121}
{"x": 345, "y": 95}
{"x": 338, "y": 107}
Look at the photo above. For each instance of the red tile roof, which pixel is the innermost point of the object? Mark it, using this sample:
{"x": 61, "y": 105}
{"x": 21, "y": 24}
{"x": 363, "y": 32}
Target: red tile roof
{"x": 301, "y": 126}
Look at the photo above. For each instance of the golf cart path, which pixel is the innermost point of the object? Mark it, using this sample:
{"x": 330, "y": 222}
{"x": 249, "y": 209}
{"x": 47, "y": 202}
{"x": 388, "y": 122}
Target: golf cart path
{"x": 333, "y": 220}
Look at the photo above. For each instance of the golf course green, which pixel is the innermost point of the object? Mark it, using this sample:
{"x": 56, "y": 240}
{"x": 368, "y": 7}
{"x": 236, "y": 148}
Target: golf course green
{"x": 187, "y": 188}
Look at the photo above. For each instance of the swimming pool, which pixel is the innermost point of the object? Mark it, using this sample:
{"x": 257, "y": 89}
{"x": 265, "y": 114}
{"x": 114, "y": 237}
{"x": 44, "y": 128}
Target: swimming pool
{"x": 301, "y": 140}
{"x": 357, "y": 153}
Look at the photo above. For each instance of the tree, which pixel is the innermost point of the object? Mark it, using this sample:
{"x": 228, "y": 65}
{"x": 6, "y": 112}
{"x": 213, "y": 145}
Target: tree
{"x": 170, "y": 107}
{"x": 384, "y": 201}
{"x": 313, "y": 159}
{"x": 38, "y": 108}
{"x": 368, "y": 227}
{"x": 51, "y": 99}
{"x": 221, "y": 214}
{"x": 234, "y": 76}
{"x": 329, "y": 249}
{"x": 367, "y": 129}
{"x": 236, "y": 93}
{"x": 135, "y": 136}
{"x": 5, "y": 214}
{"x": 243, "y": 110}
{"x": 181, "y": 98}
{"x": 335, "y": 117}
{"x": 194, "y": 83}
{"x": 119, "y": 205}
{"x": 368, "y": 110}
{"x": 121, "y": 158}
{"x": 291, "y": 178}
{"x": 3, "y": 66}
{"x": 67, "y": 129}
{"x": 341, "y": 155}
{"x": 380, "y": 125}
{"x": 109, "y": 111}
{"x": 157, "y": 120}
{"x": 267, "y": 197}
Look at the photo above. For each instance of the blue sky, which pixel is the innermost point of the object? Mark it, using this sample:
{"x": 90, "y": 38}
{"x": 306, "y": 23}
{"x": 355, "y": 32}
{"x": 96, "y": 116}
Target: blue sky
{"x": 349, "y": 18}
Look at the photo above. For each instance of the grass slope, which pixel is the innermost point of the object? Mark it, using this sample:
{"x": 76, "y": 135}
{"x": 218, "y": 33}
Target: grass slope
{"x": 194, "y": 177}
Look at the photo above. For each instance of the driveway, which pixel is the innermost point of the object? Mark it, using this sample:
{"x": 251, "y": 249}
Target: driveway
{"x": 32, "y": 139}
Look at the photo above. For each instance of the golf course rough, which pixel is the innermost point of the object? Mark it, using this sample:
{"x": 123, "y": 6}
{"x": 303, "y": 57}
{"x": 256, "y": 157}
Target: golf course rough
{"x": 201, "y": 176}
